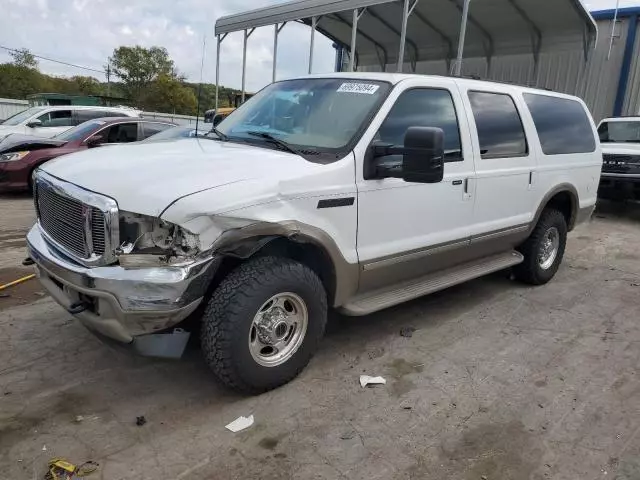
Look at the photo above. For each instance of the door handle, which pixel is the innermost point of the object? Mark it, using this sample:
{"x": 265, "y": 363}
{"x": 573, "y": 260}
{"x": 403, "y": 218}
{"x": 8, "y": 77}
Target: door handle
{"x": 468, "y": 188}
{"x": 456, "y": 182}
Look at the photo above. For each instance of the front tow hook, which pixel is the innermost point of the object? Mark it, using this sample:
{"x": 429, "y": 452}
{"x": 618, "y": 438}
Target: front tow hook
{"x": 77, "y": 307}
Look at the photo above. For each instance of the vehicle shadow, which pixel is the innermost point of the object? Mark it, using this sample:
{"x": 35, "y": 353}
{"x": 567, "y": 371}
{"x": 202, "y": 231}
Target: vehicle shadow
{"x": 619, "y": 210}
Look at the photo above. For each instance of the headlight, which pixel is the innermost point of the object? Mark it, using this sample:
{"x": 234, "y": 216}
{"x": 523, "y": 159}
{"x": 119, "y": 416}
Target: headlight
{"x": 147, "y": 241}
{"x": 13, "y": 156}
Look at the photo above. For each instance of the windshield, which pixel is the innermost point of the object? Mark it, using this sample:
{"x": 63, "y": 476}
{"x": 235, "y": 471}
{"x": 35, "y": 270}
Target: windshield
{"x": 80, "y": 132}
{"x": 620, "y": 132}
{"x": 323, "y": 115}
{"x": 19, "y": 118}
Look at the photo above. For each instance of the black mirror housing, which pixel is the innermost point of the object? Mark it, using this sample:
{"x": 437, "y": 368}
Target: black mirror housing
{"x": 423, "y": 156}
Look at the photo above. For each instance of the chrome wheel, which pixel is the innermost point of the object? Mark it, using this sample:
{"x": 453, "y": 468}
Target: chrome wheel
{"x": 549, "y": 248}
{"x": 278, "y": 329}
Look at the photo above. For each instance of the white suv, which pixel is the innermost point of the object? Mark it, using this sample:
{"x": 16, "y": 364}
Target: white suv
{"x": 52, "y": 120}
{"x": 347, "y": 191}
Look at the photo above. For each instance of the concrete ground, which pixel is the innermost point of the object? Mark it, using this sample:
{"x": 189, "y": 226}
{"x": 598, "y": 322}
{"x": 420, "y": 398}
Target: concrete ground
{"x": 498, "y": 381}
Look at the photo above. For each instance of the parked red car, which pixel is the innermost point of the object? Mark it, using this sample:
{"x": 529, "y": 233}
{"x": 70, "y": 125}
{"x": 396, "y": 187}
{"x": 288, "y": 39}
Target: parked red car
{"x": 20, "y": 155}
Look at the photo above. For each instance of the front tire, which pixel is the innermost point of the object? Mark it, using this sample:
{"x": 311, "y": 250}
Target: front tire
{"x": 263, "y": 323}
{"x": 544, "y": 249}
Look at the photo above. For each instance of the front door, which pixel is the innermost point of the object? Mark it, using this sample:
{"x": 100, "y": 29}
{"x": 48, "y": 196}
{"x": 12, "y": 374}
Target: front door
{"x": 52, "y": 123}
{"x": 408, "y": 229}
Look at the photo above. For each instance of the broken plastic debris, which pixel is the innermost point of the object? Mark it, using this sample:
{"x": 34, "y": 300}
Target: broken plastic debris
{"x": 367, "y": 380}
{"x": 240, "y": 423}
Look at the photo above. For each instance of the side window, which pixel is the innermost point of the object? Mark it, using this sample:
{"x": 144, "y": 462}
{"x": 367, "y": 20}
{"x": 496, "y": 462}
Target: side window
{"x": 562, "y": 124}
{"x": 500, "y": 130}
{"x": 120, "y": 133}
{"x": 85, "y": 115}
{"x": 150, "y": 129}
{"x": 423, "y": 107}
{"x": 61, "y": 118}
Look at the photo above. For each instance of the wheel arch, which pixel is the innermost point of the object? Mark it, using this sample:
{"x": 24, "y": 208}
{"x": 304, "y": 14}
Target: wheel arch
{"x": 303, "y": 243}
{"x": 564, "y": 198}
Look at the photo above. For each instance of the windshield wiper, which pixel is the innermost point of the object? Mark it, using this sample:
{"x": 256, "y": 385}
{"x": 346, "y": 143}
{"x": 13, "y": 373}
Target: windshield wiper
{"x": 276, "y": 141}
{"x": 220, "y": 135}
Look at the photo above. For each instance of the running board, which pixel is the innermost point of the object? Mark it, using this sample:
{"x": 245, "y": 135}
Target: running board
{"x": 388, "y": 297}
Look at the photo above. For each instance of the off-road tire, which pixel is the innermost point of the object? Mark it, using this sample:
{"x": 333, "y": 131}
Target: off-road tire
{"x": 227, "y": 321}
{"x": 530, "y": 270}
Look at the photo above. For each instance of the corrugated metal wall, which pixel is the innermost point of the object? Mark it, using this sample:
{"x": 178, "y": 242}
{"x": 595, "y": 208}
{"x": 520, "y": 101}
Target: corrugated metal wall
{"x": 632, "y": 99}
{"x": 9, "y": 107}
{"x": 563, "y": 71}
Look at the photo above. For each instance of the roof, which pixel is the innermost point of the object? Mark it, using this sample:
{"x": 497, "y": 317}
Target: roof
{"x": 495, "y": 27}
{"x": 395, "y": 78}
{"x": 611, "y": 12}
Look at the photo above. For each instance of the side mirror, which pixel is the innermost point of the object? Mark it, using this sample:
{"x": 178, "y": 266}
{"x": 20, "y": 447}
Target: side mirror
{"x": 422, "y": 157}
{"x": 423, "y": 160}
{"x": 94, "y": 140}
{"x": 34, "y": 123}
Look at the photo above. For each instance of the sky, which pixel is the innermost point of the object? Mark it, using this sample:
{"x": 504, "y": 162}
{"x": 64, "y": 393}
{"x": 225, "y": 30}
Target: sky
{"x": 85, "y": 32}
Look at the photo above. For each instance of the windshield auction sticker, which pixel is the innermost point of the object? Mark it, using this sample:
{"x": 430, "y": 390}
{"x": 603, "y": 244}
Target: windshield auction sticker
{"x": 366, "y": 88}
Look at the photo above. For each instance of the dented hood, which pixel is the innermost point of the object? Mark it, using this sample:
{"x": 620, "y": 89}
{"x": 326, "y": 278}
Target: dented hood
{"x": 146, "y": 178}
{"x": 17, "y": 141}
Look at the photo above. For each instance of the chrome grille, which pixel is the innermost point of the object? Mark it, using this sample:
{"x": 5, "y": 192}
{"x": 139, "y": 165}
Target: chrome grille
{"x": 62, "y": 218}
{"x": 97, "y": 231}
{"x": 81, "y": 223}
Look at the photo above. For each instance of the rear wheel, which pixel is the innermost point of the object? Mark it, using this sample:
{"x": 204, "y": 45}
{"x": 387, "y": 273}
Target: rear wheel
{"x": 263, "y": 323}
{"x": 544, "y": 249}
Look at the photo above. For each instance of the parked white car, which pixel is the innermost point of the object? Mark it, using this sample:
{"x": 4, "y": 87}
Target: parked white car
{"x": 52, "y": 120}
{"x": 620, "y": 140}
{"x": 349, "y": 191}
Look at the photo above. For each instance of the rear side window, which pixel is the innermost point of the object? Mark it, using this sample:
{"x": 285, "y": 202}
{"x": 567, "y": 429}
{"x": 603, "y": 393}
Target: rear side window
{"x": 562, "y": 124}
{"x": 500, "y": 130}
{"x": 150, "y": 129}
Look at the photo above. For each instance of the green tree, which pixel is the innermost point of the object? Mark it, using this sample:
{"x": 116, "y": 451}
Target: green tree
{"x": 87, "y": 85}
{"x": 168, "y": 94}
{"x": 24, "y": 58}
{"x": 137, "y": 67}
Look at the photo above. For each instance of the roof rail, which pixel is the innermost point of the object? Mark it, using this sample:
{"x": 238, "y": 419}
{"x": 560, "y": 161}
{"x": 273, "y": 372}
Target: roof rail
{"x": 506, "y": 82}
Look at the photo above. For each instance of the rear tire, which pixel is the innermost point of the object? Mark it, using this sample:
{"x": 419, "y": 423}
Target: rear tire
{"x": 274, "y": 299}
{"x": 544, "y": 249}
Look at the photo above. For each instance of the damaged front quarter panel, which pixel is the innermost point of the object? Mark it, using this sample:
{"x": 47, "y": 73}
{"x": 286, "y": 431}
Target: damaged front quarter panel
{"x": 147, "y": 241}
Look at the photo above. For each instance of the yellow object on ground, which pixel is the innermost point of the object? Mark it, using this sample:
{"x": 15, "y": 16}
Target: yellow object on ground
{"x": 16, "y": 282}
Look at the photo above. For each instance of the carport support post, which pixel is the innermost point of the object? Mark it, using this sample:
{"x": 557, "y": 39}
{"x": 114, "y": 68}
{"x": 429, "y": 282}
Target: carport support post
{"x": 354, "y": 31}
{"x": 219, "y": 38}
{"x": 247, "y": 34}
{"x": 463, "y": 31}
{"x": 314, "y": 22}
{"x": 403, "y": 34}
{"x": 276, "y": 32}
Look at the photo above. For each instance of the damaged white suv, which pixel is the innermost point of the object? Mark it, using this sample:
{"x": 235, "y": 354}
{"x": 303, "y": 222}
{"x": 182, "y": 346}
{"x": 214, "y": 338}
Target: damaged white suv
{"x": 348, "y": 191}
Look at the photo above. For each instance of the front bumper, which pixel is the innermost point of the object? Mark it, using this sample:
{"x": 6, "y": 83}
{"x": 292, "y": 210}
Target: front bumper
{"x": 123, "y": 303}
{"x": 619, "y": 186}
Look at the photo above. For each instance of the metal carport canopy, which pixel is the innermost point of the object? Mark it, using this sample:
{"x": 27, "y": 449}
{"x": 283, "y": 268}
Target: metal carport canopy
{"x": 495, "y": 27}
{"x": 384, "y": 32}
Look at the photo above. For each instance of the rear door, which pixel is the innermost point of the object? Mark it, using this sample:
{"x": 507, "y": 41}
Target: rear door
{"x": 504, "y": 162}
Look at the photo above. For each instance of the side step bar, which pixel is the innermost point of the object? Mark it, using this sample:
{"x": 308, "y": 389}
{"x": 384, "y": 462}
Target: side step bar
{"x": 388, "y": 297}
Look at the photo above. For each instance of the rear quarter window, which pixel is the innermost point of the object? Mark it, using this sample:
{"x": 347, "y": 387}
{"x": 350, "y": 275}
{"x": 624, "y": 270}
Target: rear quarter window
{"x": 562, "y": 124}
